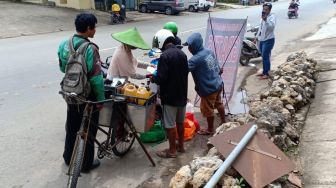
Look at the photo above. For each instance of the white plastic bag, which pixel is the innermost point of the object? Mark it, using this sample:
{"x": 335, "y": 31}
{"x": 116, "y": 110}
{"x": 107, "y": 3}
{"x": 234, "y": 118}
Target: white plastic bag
{"x": 189, "y": 108}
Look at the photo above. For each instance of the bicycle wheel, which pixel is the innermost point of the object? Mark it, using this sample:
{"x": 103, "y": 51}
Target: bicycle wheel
{"x": 76, "y": 162}
{"x": 122, "y": 136}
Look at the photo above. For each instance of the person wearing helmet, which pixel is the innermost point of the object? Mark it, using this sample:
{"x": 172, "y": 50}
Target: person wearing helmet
{"x": 205, "y": 70}
{"x": 123, "y": 63}
{"x": 172, "y": 77}
{"x": 172, "y": 26}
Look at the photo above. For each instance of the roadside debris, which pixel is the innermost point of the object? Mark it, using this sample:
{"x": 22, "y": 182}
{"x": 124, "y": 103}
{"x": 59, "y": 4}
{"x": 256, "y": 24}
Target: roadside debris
{"x": 260, "y": 158}
{"x": 279, "y": 113}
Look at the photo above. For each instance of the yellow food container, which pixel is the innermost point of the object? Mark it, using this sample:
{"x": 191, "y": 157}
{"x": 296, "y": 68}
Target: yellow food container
{"x": 130, "y": 90}
{"x": 143, "y": 93}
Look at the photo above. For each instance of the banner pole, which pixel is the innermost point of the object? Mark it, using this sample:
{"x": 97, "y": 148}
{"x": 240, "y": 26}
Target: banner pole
{"x": 234, "y": 41}
{"x": 224, "y": 94}
{"x": 213, "y": 39}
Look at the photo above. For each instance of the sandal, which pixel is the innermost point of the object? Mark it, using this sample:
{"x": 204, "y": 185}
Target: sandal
{"x": 260, "y": 74}
{"x": 264, "y": 77}
{"x": 165, "y": 154}
{"x": 205, "y": 132}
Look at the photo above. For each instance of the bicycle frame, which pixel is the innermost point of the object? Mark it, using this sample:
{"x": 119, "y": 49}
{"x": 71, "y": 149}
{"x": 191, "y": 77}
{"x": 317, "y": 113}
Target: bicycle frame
{"x": 86, "y": 122}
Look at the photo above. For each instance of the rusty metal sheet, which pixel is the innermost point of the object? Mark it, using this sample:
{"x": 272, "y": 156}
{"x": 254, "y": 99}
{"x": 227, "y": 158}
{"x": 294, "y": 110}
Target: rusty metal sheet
{"x": 260, "y": 163}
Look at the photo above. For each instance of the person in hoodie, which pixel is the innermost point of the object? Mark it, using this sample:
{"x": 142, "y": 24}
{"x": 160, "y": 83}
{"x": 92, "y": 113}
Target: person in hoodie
{"x": 209, "y": 85}
{"x": 266, "y": 37}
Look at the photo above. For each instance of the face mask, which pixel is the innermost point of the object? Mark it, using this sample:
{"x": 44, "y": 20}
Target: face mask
{"x": 263, "y": 13}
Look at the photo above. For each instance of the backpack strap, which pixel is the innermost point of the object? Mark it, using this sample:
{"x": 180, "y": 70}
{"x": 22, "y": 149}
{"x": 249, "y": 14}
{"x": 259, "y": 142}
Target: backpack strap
{"x": 83, "y": 47}
{"x": 71, "y": 45}
{"x": 82, "y": 50}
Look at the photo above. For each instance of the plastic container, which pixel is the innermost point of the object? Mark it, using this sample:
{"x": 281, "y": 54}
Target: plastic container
{"x": 142, "y": 92}
{"x": 143, "y": 117}
{"x": 130, "y": 90}
{"x": 105, "y": 114}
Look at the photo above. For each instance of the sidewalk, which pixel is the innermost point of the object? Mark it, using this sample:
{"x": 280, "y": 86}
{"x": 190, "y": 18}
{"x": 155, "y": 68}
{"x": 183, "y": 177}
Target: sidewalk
{"x": 318, "y": 143}
{"x": 319, "y": 135}
{"x": 21, "y": 19}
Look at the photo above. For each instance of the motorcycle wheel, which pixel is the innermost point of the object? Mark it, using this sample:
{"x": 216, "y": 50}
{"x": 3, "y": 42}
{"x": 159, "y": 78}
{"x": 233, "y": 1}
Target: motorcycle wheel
{"x": 244, "y": 61}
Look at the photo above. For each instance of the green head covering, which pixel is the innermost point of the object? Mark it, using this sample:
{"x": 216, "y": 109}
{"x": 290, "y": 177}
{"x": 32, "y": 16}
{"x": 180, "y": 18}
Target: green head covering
{"x": 131, "y": 37}
{"x": 171, "y": 26}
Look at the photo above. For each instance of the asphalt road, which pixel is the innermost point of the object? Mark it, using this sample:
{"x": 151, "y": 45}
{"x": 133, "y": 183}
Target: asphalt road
{"x": 32, "y": 114}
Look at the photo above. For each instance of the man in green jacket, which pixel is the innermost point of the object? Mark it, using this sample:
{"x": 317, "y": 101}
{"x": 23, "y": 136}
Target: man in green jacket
{"x": 86, "y": 28}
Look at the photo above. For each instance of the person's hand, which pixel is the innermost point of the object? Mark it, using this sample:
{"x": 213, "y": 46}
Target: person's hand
{"x": 264, "y": 16}
{"x": 221, "y": 71}
{"x": 151, "y": 79}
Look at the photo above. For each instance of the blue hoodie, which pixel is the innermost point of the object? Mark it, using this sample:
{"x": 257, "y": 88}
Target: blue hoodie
{"x": 203, "y": 66}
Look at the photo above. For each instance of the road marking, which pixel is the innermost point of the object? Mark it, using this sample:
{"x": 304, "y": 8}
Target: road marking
{"x": 107, "y": 49}
{"x": 184, "y": 32}
{"x": 188, "y": 31}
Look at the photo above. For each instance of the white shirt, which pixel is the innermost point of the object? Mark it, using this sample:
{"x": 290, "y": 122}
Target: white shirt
{"x": 122, "y": 63}
{"x": 266, "y": 29}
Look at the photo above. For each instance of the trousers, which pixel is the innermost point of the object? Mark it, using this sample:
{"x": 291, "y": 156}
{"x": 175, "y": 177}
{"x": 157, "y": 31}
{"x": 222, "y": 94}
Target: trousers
{"x": 73, "y": 123}
{"x": 265, "y": 49}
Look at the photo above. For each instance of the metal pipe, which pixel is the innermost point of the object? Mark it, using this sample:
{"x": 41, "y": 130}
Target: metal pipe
{"x": 230, "y": 159}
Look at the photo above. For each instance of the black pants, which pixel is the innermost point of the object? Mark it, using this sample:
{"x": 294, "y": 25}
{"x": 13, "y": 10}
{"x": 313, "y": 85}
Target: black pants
{"x": 73, "y": 123}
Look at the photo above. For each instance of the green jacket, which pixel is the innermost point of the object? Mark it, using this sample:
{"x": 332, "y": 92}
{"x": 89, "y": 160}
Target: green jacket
{"x": 93, "y": 63}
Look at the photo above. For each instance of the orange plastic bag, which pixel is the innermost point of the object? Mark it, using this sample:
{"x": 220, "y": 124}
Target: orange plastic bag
{"x": 191, "y": 117}
{"x": 189, "y": 130}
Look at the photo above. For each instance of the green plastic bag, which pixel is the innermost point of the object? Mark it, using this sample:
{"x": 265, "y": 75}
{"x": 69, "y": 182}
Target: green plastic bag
{"x": 156, "y": 134}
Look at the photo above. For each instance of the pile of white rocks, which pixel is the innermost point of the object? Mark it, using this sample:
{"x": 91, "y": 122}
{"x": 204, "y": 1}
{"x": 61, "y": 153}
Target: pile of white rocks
{"x": 277, "y": 112}
{"x": 199, "y": 171}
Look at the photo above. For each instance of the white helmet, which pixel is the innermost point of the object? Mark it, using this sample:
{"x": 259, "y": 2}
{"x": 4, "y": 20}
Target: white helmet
{"x": 160, "y": 38}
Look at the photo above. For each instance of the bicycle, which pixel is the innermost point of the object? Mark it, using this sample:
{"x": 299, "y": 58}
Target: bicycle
{"x": 118, "y": 144}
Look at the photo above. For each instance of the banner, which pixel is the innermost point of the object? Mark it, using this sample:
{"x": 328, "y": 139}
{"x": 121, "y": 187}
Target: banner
{"x": 224, "y": 37}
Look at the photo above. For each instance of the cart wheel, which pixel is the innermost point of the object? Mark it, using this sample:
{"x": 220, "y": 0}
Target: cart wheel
{"x": 123, "y": 136}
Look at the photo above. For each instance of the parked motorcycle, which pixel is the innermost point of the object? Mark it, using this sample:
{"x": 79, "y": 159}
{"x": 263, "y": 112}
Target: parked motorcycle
{"x": 293, "y": 10}
{"x": 250, "y": 47}
{"x": 116, "y": 17}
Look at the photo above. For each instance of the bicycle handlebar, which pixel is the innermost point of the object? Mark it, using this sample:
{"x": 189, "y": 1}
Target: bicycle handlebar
{"x": 114, "y": 99}
{"x": 76, "y": 97}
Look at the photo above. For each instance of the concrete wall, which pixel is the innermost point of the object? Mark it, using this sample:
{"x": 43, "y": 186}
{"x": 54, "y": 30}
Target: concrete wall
{"x": 76, "y": 4}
